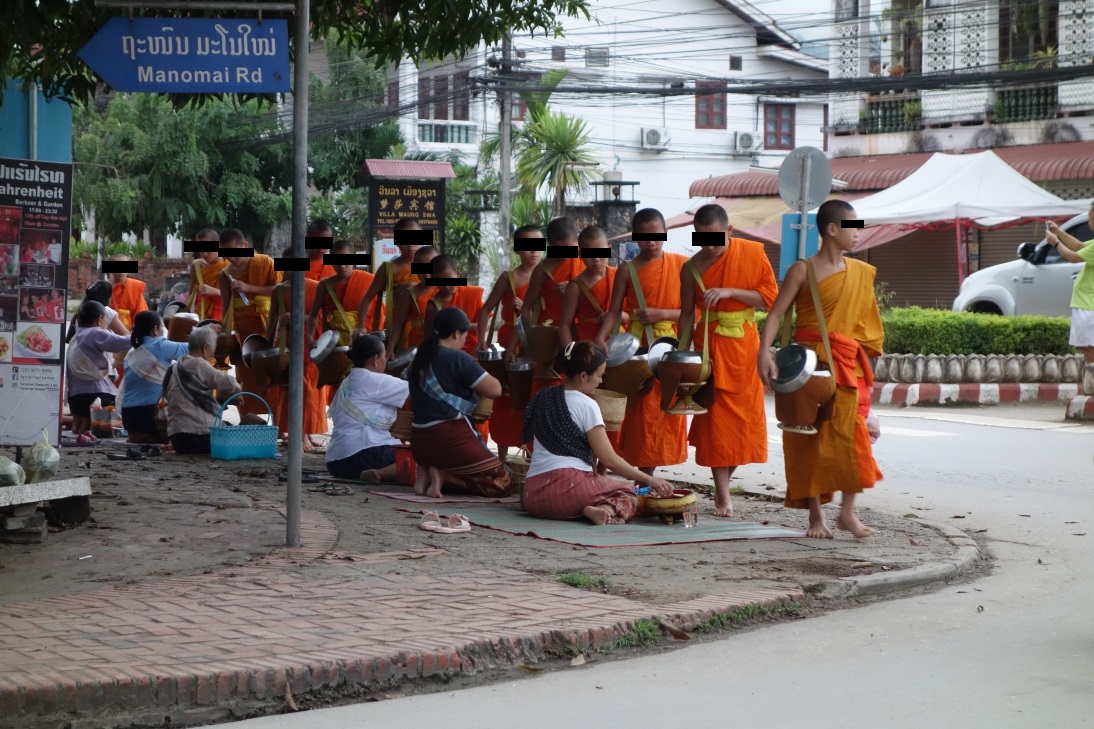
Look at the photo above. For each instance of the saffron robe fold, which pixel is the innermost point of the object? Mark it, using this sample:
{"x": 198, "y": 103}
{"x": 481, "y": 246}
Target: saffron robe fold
{"x": 251, "y": 318}
{"x": 208, "y": 307}
{"x": 734, "y": 431}
{"x": 506, "y": 423}
{"x": 586, "y": 319}
{"x": 315, "y": 397}
{"x": 317, "y": 270}
{"x": 550, "y": 299}
{"x": 839, "y": 457}
{"x": 651, "y": 437}
{"x": 349, "y": 293}
{"x": 128, "y": 300}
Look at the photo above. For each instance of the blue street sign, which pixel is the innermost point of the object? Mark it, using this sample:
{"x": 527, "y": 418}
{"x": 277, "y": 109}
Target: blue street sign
{"x": 191, "y": 55}
{"x": 788, "y": 252}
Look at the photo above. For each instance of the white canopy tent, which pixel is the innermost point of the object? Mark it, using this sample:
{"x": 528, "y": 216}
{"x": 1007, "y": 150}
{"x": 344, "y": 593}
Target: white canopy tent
{"x": 966, "y": 189}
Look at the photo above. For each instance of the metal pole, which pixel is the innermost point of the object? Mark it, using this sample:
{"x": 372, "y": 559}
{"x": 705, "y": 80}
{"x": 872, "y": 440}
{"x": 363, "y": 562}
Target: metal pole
{"x": 295, "y": 391}
{"x": 505, "y": 152}
{"x": 32, "y": 126}
{"x": 803, "y": 211}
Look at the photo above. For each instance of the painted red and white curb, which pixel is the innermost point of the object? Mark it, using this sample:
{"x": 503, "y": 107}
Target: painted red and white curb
{"x": 1081, "y": 407}
{"x": 973, "y": 393}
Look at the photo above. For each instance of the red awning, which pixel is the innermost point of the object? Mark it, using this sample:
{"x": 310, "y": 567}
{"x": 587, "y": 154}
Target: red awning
{"x": 1038, "y": 162}
{"x": 407, "y": 169}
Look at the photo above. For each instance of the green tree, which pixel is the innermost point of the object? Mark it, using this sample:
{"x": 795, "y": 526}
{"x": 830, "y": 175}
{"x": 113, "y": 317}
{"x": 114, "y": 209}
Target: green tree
{"x": 39, "y": 39}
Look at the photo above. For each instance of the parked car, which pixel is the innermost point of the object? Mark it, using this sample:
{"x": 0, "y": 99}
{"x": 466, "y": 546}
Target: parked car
{"x": 1039, "y": 282}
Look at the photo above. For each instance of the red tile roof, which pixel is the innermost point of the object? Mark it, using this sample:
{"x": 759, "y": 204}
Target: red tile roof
{"x": 1039, "y": 163}
{"x": 406, "y": 169}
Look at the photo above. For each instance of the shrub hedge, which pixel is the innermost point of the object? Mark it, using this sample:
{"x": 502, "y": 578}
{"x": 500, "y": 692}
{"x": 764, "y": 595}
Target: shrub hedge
{"x": 914, "y": 330}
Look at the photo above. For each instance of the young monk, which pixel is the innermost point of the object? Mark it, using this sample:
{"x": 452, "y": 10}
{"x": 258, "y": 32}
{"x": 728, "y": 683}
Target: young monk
{"x": 838, "y": 457}
{"x": 397, "y": 269}
{"x": 205, "y": 298}
{"x": 543, "y": 302}
{"x": 338, "y": 297}
{"x": 317, "y": 270}
{"x": 506, "y": 423}
{"x": 650, "y": 436}
{"x": 253, "y": 278}
{"x": 128, "y": 297}
{"x": 315, "y": 397}
{"x": 467, "y": 298}
{"x": 410, "y": 305}
{"x": 735, "y": 279}
{"x": 586, "y": 304}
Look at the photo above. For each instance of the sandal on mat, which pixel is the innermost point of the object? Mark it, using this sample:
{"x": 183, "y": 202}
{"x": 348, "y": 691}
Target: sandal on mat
{"x": 337, "y": 489}
{"x": 457, "y": 524}
{"x": 430, "y": 521}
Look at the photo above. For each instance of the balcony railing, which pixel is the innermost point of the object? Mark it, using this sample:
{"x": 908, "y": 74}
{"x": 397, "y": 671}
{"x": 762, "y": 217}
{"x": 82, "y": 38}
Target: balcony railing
{"x": 1026, "y": 103}
{"x": 437, "y": 132}
{"x": 891, "y": 113}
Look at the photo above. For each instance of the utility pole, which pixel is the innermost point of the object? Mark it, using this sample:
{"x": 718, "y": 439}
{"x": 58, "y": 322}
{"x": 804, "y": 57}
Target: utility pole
{"x": 505, "y": 134}
{"x": 299, "y": 227}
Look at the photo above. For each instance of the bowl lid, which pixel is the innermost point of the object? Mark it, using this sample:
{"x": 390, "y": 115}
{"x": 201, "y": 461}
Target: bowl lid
{"x": 326, "y": 343}
{"x": 402, "y": 358}
{"x": 621, "y": 347}
{"x": 795, "y": 364}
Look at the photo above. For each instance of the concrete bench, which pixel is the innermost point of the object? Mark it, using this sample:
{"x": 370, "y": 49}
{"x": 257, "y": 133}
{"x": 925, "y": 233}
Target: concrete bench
{"x": 20, "y": 520}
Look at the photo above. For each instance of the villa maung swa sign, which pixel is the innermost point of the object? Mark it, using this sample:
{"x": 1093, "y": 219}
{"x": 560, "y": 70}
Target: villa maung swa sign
{"x": 191, "y": 55}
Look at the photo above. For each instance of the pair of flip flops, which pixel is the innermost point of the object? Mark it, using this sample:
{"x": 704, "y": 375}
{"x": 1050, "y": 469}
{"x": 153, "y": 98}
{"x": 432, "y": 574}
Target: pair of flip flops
{"x": 136, "y": 454}
{"x": 332, "y": 489}
{"x": 456, "y": 523}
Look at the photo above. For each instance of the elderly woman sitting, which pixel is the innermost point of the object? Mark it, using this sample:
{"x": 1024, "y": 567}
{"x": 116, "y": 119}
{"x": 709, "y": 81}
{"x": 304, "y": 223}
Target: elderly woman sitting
{"x": 193, "y": 388}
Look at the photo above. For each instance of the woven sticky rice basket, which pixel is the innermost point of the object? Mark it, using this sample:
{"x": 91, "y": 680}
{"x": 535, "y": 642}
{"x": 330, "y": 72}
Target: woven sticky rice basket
{"x": 612, "y": 407}
{"x": 518, "y": 464}
{"x": 401, "y": 427}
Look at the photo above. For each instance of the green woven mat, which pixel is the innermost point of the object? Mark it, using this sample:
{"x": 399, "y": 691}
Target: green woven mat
{"x": 641, "y": 532}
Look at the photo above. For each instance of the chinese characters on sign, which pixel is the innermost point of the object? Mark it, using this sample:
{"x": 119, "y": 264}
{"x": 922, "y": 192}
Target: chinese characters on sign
{"x": 422, "y": 200}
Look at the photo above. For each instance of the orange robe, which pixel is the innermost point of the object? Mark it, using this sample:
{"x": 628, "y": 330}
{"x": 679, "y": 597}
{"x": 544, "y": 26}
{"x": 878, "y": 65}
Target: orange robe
{"x": 317, "y": 270}
{"x": 315, "y": 397}
{"x": 550, "y": 298}
{"x": 128, "y": 300}
{"x": 734, "y": 431}
{"x": 248, "y": 319}
{"x": 507, "y": 424}
{"x": 651, "y": 437}
{"x": 839, "y": 456}
{"x": 208, "y": 307}
{"x": 413, "y": 330}
{"x": 468, "y": 298}
{"x": 349, "y": 293}
{"x": 586, "y": 319}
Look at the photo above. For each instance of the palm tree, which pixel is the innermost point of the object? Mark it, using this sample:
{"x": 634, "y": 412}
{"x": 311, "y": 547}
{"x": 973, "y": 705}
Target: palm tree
{"x": 555, "y": 157}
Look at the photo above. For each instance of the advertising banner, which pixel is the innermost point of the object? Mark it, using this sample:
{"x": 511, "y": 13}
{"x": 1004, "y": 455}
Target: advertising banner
{"x": 35, "y": 229}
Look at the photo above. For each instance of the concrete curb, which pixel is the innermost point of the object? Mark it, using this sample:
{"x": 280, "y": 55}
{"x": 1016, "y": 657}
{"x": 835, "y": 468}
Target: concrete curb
{"x": 972, "y": 393}
{"x": 1080, "y": 407}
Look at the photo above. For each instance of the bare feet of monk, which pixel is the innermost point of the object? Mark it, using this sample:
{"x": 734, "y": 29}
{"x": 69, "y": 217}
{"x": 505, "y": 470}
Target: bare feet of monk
{"x": 818, "y": 529}
{"x": 601, "y": 515}
{"x": 723, "y": 504}
{"x": 436, "y": 481}
{"x": 850, "y": 523}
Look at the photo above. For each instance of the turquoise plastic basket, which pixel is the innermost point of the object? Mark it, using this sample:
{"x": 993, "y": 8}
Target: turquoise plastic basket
{"x": 242, "y": 442}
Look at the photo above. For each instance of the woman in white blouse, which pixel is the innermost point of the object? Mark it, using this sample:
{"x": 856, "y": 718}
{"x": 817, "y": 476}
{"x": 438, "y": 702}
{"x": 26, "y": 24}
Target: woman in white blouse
{"x": 363, "y": 410}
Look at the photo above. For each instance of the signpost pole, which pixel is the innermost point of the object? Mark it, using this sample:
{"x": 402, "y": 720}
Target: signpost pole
{"x": 295, "y": 391}
{"x": 803, "y": 207}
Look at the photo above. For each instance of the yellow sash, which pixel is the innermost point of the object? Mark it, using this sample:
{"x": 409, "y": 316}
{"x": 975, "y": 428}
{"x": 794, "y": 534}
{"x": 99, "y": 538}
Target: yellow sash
{"x": 342, "y": 321}
{"x": 660, "y": 328}
{"x": 732, "y": 323}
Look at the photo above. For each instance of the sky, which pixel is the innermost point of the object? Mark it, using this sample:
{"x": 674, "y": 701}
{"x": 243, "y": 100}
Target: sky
{"x": 809, "y": 20}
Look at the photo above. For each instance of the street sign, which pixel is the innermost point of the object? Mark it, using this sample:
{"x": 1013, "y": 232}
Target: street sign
{"x": 191, "y": 55}
{"x": 805, "y": 178}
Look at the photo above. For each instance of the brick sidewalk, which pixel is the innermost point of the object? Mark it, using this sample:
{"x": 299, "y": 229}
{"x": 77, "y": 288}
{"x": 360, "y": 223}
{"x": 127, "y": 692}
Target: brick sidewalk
{"x": 191, "y": 649}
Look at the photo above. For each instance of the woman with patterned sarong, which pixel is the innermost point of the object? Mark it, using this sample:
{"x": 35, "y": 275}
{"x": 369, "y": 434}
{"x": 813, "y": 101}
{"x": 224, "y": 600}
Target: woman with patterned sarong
{"x": 567, "y": 433}
{"x": 445, "y": 386}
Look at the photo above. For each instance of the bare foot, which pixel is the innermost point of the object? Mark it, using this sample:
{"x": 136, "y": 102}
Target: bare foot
{"x": 370, "y": 476}
{"x": 853, "y": 525}
{"x": 818, "y": 530}
{"x": 436, "y": 482}
{"x": 723, "y": 504}
{"x": 601, "y": 515}
{"x": 421, "y": 481}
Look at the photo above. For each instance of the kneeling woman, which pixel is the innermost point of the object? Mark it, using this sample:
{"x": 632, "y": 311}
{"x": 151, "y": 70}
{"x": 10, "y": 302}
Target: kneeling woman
{"x": 445, "y": 387}
{"x": 567, "y": 433}
{"x": 363, "y": 410}
{"x": 145, "y": 367}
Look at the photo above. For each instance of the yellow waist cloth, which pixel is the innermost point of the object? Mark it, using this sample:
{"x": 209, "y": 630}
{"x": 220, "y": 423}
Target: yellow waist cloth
{"x": 259, "y": 305}
{"x": 732, "y": 323}
{"x": 336, "y": 322}
{"x": 663, "y": 328}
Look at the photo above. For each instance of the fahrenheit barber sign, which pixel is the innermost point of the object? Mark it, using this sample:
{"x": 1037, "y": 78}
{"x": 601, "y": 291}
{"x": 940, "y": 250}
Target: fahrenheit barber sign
{"x": 191, "y": 55}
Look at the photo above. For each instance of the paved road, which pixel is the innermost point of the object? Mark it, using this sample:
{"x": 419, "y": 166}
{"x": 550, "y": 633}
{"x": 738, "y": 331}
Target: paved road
{"x": 1015, "y": 649}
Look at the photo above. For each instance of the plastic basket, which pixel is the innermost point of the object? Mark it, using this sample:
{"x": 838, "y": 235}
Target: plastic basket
{"x": 242, "y": 442}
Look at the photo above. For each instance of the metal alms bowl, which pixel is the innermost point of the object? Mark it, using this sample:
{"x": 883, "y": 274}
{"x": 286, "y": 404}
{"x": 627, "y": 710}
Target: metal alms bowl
{"x": 658, "y": 349}
{"x": 326, "y": 344}
{"x": 796, "y": 365}
{"x": 402, "y": 359}
{"x": 621, "y": 347}
{"x": 490, "y": 353}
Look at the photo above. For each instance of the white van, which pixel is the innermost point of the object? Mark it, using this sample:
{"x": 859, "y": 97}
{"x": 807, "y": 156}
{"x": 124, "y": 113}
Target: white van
{"x": 1039, "y": 282}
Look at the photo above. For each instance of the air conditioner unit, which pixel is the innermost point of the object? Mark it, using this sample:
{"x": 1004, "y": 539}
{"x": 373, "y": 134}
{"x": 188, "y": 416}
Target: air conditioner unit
{"x": 747, "y": 141}
{"x": 655, "y": 138}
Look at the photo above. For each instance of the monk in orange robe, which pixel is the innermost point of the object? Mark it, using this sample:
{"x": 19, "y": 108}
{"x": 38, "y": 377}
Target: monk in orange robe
{"x": 839, "y": 456}
{"x": 507, "y": 296}
{"x": 253, "y": 278}
{"x": 650, "y": 436}
{"x": 205, "y": 298}
{"x": 734, "y": 279}
{"x": 586, "y": 304}
{"x": 317, "y": 270}
{"x": 391, "y": 275}
{"x": 128, "y": 296}
{"x": 405, "y": 328}
{"x": 315, "y": 397}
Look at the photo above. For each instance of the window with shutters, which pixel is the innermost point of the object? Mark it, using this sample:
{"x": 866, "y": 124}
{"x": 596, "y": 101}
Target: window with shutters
{"x": 461, "y": 99}
{"x": 596, "y": 57}
{"x": 710, "y": 107}
{"x": 423, "y": 98}
{"x": 778, "y": 126}
{"x": 558, "y": 53}
{"x": 393, "y": 93}
{"x": 440, "y": 97}
{"x": 736, "y": 63}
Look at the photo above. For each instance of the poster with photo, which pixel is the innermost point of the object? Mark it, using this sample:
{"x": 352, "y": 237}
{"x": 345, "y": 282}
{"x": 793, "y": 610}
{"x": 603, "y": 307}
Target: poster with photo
{"x": 35, "y": 227}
